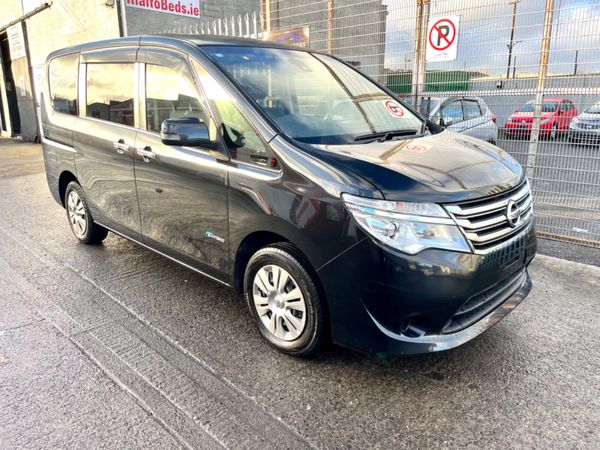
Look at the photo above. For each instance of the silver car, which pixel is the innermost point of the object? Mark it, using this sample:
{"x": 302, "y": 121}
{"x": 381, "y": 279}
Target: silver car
{"x": 585, "y": 128}
{"x": 467, "y": 114}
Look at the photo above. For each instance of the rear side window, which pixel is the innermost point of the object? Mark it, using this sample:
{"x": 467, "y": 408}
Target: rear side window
{"x": 452, "y": 113}
{"x": 471, "y": 109}
{"x": 566, "y": 106}
{"x": 170, "y": 94}
{"x": 110, "y": 92}
{"x": 63, "y": 83}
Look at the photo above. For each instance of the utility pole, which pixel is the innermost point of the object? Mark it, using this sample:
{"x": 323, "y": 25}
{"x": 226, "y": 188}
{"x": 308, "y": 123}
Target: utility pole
{"x": 512, "y": 42}
{"x": 265, "y": 17}
{"x": 122, "y": 15}
{"x": 514, "y": 66}
{"x": 419, "y": 68}
{"x": 576, "y": 57}
{"x": 541, "y": 83}
{"x": 330, "y": 27}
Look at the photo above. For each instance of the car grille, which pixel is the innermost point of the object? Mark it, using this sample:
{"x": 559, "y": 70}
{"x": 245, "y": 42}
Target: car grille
{"x": 485, "y": 222}
{"x": 589, "y": 125}
{"x": 480, "y": 305}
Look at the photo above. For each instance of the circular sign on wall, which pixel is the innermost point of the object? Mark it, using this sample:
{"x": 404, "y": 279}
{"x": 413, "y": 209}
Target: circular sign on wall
{"x": 442, "y": 34}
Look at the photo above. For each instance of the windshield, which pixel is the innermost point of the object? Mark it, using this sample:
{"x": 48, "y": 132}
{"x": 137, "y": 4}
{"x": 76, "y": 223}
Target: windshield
{"x": 313, "y": 98}
{"x": 594, "y": 109}
{"x": 547, "y": 107}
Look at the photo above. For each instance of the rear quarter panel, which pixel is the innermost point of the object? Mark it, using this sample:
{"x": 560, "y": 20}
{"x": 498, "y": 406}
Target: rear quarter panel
{"x": 57, "y": 141}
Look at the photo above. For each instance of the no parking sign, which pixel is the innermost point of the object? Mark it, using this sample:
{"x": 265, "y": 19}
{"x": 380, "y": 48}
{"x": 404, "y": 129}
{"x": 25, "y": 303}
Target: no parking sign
{"x": 442, "y": 38}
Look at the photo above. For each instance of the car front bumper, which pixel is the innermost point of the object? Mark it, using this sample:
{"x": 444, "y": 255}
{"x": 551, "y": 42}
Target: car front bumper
{"x": 524, "y": 129}
{"x": 590, "y": 136}
{"x": 388, "y": 303}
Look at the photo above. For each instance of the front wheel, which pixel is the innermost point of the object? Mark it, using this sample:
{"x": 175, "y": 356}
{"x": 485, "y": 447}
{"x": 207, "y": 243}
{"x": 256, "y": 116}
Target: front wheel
{"x": 284, "y": 301}
{"x": 80, "y": 219}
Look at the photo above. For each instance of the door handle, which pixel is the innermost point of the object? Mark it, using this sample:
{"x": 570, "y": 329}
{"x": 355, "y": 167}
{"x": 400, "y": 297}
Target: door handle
{"x": 120, "y": 146}
{"x": 146, "y": 153}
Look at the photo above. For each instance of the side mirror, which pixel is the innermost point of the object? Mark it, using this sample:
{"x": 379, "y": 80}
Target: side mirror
{"x": 188, "y": 131}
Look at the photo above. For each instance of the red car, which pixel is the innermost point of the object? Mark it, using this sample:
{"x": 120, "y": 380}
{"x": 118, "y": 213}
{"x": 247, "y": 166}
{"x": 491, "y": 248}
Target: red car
{"x": 557, "y": 114}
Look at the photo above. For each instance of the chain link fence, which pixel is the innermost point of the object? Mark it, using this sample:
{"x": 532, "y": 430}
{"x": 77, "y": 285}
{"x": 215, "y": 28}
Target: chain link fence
{"x": 526, "y": 76}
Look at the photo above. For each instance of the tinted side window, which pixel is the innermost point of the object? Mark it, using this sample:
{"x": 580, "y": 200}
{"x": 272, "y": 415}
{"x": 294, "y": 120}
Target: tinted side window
{"x": 243, "y": 142}
{"x": 110, "y": 92}
{"x": 63, "y": 83}
{"x": 452, "y": 112}
{"x": 471, "y": 109}
{"x": 170, "y": 94}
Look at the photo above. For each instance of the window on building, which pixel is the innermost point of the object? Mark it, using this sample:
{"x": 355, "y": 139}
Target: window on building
{"x": 110, "y": 92}
{"x": 471, "y": 109}
{"x": 170, "y": 94}
{"x": 63, "y": 83}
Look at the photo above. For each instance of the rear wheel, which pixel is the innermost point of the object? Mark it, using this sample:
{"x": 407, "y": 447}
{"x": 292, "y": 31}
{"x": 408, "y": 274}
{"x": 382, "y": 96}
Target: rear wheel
{"x": 553, "y": 132}
{"x": 282, "y": 295}
{"x": 80, "y": 219}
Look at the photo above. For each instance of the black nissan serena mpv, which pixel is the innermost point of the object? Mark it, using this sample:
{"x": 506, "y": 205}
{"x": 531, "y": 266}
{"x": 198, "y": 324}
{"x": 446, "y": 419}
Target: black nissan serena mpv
{"x": 286, "y": 174}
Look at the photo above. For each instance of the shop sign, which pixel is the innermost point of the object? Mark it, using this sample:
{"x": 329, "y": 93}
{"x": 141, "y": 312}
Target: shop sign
{"x": 188, "y": 8}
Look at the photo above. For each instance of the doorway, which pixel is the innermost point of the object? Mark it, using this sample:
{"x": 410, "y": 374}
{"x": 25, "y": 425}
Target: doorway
{"x": 10, "y": 88}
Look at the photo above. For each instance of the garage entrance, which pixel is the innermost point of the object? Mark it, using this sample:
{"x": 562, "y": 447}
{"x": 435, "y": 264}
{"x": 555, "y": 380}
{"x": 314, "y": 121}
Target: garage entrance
{"x": 13, "y": 125}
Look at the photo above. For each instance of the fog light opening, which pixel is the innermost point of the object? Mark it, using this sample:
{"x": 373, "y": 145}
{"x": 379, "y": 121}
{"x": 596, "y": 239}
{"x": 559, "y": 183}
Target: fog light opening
{"x": 415, "y": 327}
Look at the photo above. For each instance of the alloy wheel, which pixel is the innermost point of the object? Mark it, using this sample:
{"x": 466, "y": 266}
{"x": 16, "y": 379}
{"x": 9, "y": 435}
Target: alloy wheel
{"x": 279, "y": 302}
{"x": 77, "y": 214}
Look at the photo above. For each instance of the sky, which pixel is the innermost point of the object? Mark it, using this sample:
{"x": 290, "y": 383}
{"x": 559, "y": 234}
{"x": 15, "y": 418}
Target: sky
{"x": 484, "y": 32}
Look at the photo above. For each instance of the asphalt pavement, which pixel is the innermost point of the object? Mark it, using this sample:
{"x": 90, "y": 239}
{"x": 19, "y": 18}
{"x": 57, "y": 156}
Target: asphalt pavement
{"x": 115, "y": 346}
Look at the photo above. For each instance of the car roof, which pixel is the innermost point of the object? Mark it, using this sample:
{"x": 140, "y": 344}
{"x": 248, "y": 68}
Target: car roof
{"x": 178, "y": 41}
{"x": 207, "y": 39}
{"x": 457, "y": 97}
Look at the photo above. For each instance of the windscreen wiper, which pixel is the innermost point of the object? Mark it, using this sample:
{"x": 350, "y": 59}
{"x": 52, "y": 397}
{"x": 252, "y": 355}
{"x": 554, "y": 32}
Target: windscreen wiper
{"x": 385, "y": 135}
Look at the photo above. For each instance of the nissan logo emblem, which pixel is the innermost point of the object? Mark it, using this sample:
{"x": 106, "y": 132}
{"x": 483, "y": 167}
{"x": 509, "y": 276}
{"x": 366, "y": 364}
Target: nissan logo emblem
{"x": 513, "y": 214}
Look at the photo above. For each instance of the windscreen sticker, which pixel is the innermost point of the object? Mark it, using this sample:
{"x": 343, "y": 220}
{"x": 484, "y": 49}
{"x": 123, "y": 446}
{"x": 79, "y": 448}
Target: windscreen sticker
{"x": 417, "y": 148}
{"x": 394, "y": 108}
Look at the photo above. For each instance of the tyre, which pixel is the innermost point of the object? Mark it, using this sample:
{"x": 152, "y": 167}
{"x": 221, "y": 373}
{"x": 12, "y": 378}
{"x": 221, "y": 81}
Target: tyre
{"x": 553, "y": 134}
{"x": 281, "y": 292}
{"x": 80, "y": 220}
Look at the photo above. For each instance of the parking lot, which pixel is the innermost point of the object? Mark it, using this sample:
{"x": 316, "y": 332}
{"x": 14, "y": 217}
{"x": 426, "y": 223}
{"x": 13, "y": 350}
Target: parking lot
{"x": 566, "y": 185}
{"x": 155, "y": 351}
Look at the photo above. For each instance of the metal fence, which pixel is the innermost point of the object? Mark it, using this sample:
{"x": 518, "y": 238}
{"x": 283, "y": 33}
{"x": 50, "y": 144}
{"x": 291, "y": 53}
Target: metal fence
{"x": 535, "y": 64}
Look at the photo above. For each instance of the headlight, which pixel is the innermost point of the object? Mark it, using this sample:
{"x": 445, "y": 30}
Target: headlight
{"x": 408, "y": 227}
{"x": 544, "y": 121}
{"x": 574, "y": 123}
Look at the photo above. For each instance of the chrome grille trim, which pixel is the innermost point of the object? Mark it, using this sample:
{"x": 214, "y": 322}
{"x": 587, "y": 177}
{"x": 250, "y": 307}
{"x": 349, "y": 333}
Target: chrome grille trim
{"x": 470, "y": 211}
{"x": 484, "y": 222}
